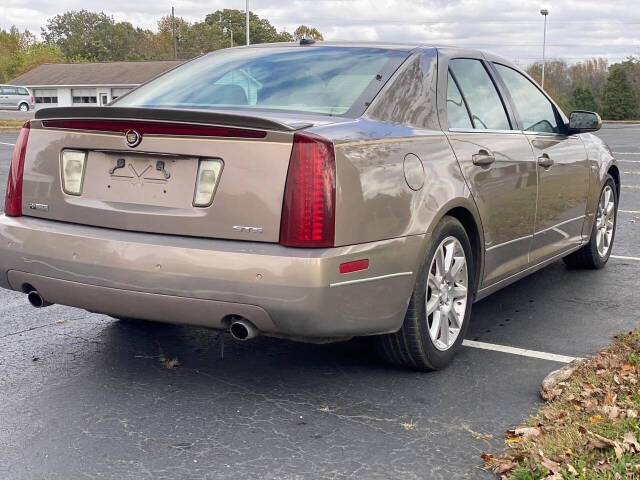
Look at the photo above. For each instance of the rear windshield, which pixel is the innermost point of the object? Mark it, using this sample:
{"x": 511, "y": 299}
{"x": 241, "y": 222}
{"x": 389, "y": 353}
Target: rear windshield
{"x": 328, "y": 80}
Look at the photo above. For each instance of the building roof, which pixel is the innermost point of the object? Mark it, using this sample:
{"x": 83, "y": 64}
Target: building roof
{"x": 100, "y": 73}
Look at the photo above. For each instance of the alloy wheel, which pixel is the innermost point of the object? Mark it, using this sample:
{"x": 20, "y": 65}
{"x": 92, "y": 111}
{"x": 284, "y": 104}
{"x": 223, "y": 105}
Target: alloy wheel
{"x": 447, "y": 290}
{"x": 605, "y": 221}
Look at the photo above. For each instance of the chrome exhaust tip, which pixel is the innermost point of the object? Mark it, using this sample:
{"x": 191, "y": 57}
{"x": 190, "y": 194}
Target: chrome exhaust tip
{"x": 242, "y": 329}
{"x": 36, "y": 300}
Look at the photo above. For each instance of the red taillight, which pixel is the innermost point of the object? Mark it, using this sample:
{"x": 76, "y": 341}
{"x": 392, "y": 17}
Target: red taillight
{"x": 31, "y": 98}
{"x": 13, "y": 198}
{"x": 308, "y": 208}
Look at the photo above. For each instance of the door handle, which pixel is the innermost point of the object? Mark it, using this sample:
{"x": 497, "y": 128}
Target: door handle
{"x": 483, "y": 158}
{"x": 545, "y": 161}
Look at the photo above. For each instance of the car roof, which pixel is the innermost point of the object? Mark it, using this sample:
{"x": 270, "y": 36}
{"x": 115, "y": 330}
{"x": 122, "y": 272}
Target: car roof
{"x": 400, "y": 46}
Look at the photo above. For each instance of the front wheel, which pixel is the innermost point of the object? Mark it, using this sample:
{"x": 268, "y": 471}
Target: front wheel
{"x": 24, "y": 107}
{"x": 440, "y": 306}
{"x": 596, "y": 252}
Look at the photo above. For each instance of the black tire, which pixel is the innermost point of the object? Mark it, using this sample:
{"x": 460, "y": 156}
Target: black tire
{"x": 26, "y": 105}
{"x": 411, "y": 346}
{"x": 587, "y": 257}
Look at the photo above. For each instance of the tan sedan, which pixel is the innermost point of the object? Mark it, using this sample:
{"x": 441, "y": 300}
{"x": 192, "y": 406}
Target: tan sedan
{"x": 314, "y": 192}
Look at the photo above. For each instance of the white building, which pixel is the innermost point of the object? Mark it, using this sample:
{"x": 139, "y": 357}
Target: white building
{"x": 90, "y": 84}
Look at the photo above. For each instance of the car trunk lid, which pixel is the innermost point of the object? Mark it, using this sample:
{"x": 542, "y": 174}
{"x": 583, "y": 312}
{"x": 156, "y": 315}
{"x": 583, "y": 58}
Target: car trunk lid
{"x": 152, "y": 186}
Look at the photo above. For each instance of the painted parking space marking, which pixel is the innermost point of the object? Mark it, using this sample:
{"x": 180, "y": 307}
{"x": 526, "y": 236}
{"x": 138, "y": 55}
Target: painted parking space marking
{"x": 622, "y": 257}
{"x": 9, "y": 144}
{"x": 626, "y": 153}
{"x": 631, "y": 173}
{"x": 628, "y": 211}
{"x": 523, "y": 352}
{"x": 635, "y": 187}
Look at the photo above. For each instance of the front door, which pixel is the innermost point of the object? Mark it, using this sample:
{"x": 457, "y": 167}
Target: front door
{"x": 562, "y": 168}
{"x": 497, "y": 162}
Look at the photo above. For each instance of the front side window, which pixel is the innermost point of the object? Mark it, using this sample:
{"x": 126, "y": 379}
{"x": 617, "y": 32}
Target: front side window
{"x": 487, "y": 110}
{"x": 329, "y": 80}
{"x": 457, "y": 113}
{"x": 535, "y": 110}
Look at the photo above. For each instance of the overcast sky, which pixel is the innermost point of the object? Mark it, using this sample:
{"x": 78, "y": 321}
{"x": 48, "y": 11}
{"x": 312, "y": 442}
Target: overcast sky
{"x": 576, "y": 29}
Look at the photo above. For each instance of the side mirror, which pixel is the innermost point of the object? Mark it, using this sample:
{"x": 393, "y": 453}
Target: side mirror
{"x": 581, "y": 121}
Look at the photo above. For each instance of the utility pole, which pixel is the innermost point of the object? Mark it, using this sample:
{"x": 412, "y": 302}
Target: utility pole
{"x": 544, "y": 12}
{"x": 247, "y": 21}
{"x": 173, "y": 33}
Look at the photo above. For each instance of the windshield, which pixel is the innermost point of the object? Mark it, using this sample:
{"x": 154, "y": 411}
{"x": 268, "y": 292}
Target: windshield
{"x": 328, "y": 80}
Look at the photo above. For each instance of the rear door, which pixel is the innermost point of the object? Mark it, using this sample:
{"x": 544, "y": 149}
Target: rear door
{"x": 12, "y": 97}
{"x": 496, "y": 160}
{"x": 562, "y": 167}
{"x": 4, "y": 97}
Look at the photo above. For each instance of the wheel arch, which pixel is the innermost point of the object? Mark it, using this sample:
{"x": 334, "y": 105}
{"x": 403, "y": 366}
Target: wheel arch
{"x": 615, "y": 173}
{"x": 465, "y": 212}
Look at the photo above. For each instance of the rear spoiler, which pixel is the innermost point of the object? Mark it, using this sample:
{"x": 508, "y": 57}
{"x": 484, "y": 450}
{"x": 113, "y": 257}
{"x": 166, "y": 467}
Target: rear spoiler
{"x": 202, "y": 117}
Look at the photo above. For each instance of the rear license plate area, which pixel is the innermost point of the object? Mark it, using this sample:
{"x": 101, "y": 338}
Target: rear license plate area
{"x": 146, "y": 179}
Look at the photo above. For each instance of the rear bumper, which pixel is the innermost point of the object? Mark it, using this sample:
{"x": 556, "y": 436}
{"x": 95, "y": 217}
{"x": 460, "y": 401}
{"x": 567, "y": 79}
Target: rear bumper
{"x": 283, "y": 291}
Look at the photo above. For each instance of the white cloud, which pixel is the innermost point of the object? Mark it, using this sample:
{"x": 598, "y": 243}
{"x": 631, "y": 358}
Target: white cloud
{"x": 577, "y": 29}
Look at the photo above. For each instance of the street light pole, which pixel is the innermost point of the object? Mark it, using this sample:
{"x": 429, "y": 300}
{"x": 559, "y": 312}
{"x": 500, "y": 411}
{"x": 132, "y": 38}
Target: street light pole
{"x": 247, "y": 21}
{"x": 544, "y": 12}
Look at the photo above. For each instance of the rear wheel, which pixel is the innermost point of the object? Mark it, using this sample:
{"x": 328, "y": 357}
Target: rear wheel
{"x": 440, "y": 306}
{"x": 24, "y": 107}
{"x": 596, "y": 252}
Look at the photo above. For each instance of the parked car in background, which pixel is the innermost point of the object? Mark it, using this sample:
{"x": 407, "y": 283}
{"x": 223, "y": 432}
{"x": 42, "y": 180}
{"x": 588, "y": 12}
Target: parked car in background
{"x": 16, "y": 98}
{"x": 315, "y": 192}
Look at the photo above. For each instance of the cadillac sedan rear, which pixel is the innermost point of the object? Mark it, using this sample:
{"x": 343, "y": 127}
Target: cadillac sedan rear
{"x": 210, "y": 196}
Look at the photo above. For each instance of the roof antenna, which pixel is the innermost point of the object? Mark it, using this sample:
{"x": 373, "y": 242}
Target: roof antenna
{"x": 307, "y": 41}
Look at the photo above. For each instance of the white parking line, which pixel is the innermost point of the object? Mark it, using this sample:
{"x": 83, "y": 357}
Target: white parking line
{"x": 628, "y": 211}
{"x": 519, "y": 351}
{"x": 622, "y": 257}
{"x": 10, "y": 144}
{"x": 626, "y": 153}
{"x": 635, "y": 187}
{"x": 631, "y": 173}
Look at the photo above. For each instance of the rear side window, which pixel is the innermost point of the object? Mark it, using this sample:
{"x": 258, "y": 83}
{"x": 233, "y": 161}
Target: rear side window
{"x": 23, "y": 91}
{"x": 487, "y": 110}
{"x": 457, "y": 113}
{"x": 535, "y": 110}
{"x": 329, "y": 80}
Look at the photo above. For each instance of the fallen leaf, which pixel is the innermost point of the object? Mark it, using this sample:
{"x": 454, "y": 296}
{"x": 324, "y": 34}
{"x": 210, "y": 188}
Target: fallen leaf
{"x": 487, "y": 457}
{"x": 610, "y": 398}
{"x": 630, "y": 442}
{"x": 571, "y": 469}
{"x": 324, "y": 409}
{"x": 550, "y": 465}
{"x": 409, "y": 426}
{"x": 527, "y": 431}
{"x": 504, "y": 468}
{"x": 595, "y": 419}
{"x": 60, "y": 322}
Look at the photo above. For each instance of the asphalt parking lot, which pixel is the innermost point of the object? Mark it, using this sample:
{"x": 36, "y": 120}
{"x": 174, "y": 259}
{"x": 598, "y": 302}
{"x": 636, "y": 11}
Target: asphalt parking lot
{"x": 85, "y": 396}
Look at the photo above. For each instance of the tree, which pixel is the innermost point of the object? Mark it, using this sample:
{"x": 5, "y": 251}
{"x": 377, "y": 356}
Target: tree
{"x": 591, "y": 74}
{"x": 583, "y": 99}
{"x": 310, "y": 33}
{"x": 92, "y": 36}
{"x": 619, "y": 101}
{"x": 260, "y": 30}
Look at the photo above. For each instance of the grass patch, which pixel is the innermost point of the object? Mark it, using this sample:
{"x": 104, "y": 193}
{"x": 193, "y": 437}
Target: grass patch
{"x": 11, "y": 124}
{"x": 589, "y": 427}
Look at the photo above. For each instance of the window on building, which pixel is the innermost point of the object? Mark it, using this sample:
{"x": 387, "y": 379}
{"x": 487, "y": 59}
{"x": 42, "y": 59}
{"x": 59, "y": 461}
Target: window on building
{"x": 116, "y": 92}
{"x": 89, "y": 99}
{"x": 45, "y": 96}
{"x": 84, "y": 95}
